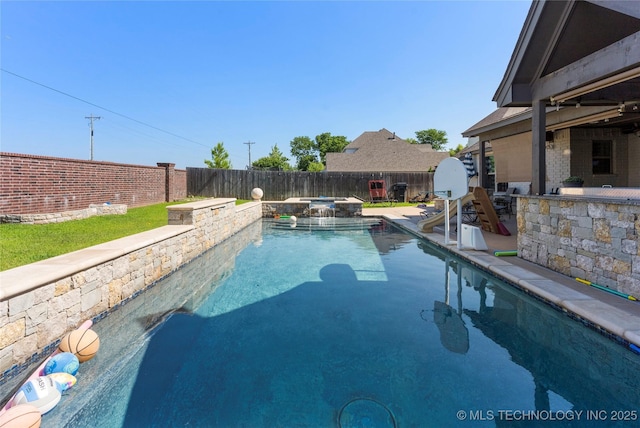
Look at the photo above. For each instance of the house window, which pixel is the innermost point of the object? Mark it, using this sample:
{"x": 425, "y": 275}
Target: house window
{"x": 601, "y": 151}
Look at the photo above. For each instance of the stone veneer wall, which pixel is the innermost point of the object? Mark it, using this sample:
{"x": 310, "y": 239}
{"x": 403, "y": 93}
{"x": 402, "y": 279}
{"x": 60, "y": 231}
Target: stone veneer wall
{"x": 594, "y": 239}
{"x": 42, "y": 301}
{"x": 93, "y": 210}
{"x": 301, "y": 209}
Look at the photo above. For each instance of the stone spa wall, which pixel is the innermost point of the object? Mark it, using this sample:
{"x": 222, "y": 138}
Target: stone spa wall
{"x": 592, "y": 238}
{"x": 41, "y": 302}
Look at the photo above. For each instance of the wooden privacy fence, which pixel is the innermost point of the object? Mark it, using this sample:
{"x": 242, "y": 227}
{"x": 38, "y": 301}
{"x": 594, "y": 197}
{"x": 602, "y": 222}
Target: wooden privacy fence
{"x": 280, "y": 185}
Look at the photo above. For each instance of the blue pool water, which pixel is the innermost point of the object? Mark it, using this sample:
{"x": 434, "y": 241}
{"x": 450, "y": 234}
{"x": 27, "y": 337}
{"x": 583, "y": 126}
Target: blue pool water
{"x": 352, "y": 324}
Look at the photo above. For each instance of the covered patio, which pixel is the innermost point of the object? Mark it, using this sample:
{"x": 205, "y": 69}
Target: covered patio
{"x": 569, "y": 101}
{"x": 569, "y": 106}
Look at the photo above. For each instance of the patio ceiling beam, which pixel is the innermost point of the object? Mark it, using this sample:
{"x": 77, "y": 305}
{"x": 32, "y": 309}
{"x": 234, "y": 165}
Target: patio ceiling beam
{"x": 595, "y": 86}
{"x": 519, "y": 95}
{"x": 621, "y": 6}
{"x": 584, "y": 120}
{"x": 611, "y": 65}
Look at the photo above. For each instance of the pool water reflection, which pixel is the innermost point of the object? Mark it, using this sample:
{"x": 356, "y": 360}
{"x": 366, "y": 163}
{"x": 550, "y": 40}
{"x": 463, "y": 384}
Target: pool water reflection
{"x": 348, "y": 326}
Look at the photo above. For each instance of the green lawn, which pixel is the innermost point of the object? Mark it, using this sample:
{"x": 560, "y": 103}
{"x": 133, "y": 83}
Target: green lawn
{"x": 27, "y": 243}
{"x": 22, "y": 244}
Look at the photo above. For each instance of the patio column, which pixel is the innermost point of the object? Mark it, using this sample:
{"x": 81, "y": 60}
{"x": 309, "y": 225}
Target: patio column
{"x": 538, "y": 155}
{"x": 482, "y": 173}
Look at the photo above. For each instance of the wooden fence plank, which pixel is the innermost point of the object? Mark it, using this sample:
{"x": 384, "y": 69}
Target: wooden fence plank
{"x": 280, "y": 185}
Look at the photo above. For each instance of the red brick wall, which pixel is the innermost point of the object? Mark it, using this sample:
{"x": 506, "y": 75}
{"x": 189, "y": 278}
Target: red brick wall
{"x": 31, "y": 184}
{"x": 180, "y": 184}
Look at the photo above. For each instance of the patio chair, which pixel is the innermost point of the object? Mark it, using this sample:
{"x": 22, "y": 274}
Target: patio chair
{"x": 420, "y": 197}
{"x": 469, "y": 214}
{"x": 428, "y": 212}
{"x": 504, "y": 204}
{"x": 378, "y": 192}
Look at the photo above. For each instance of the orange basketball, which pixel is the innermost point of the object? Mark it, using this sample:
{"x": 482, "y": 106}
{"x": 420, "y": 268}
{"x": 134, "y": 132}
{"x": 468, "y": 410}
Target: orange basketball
{"x": 84, "y": 344}
{"x": 21, "y": 416}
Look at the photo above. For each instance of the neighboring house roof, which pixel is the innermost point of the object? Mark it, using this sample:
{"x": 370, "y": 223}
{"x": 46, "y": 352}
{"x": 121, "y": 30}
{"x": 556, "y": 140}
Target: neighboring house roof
{"x": 383, "y": 151}
{"x": 475, "y": 148}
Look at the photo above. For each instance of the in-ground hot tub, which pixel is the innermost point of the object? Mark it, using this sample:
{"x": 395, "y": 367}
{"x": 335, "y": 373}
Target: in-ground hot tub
{"x": 322, "y": 199}
{"x": 314, "y": 207}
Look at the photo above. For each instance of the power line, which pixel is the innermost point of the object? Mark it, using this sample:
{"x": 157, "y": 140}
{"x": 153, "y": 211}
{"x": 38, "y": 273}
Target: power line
{"x": 103, "y": 108}
{"x": 118, "y": 126}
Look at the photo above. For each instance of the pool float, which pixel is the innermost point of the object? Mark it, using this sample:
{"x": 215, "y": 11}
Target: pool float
{"x": 39, "y": 372}
{"x": 63, "y": 381}
{"x": 21, "y": 416}
{"x": 64, "y": 362}
{"x": 40, "y": 392}
{"x": 505, "y": 253}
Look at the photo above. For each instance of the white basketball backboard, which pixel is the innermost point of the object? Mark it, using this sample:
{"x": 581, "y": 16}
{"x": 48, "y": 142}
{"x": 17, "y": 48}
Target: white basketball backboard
{"x": 450, "y": 180}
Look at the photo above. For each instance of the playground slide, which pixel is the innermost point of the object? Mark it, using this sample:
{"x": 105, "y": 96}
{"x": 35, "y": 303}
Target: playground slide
{"x": 428, "y": 224}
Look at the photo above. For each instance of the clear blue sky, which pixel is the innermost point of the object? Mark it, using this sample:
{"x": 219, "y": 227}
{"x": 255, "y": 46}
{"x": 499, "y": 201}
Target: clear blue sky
{"x": 171, "y": 79}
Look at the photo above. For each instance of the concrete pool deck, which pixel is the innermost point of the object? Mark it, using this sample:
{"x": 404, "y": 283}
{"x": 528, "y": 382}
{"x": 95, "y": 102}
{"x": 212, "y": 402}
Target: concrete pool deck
{"x": 612, "y": 314}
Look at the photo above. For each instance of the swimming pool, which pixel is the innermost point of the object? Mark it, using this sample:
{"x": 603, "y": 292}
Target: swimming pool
{"x": 344, "y": 323}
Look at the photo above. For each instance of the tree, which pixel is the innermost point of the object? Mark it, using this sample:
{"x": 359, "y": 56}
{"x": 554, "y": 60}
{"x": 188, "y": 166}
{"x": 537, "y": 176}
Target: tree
{"x": 308, "y": 152}
{"x": 411, "y": 140}
{"x": 315, "y": 167}
{"x": 457, "y": 150}
{"x": 437, "y": 139}
{"x": 303, "y": 149}
{"x": 220, "y": 157}
{"x": 327, "y": 143}
{"x": 275, "y": 161}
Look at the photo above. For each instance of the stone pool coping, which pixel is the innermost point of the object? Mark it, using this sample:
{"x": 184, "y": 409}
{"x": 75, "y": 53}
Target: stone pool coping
{"x": 619, "y": 321}
{"x": 25, "y": 278}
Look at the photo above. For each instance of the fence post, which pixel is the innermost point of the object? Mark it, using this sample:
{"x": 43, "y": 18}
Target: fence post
{"x": 170, "y": 172}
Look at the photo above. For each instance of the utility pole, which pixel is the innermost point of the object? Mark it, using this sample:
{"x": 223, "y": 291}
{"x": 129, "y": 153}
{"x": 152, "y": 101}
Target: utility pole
{"x": 91, "y": 119}
{"x": 249, "y": 143}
